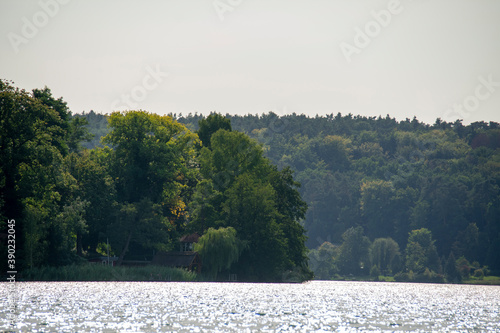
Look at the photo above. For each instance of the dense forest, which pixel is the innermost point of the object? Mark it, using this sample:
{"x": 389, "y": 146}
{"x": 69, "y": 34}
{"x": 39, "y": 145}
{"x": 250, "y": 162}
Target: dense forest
{"x": 374, "y": 196}
{"x": 387, "y": 196}
{"x": 151, "y": 182}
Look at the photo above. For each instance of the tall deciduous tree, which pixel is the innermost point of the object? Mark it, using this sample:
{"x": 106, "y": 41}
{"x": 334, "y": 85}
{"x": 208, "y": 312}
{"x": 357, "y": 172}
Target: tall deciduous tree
{"x": 421, "y": 252}
{"x": 26, "y": 127}
{"x": 322, "y": 261}
{"x": 33, "y": 180}
{"x": 94, "y": 184}
{"x": 210, "y": 125}
{"x": 152, "y": 158}
{"x": 377, "y": 207}
{"x": 243, "y": 190}
{"x": 250, "y": 209}
{"x": 450, "y": 269}
{"x": 354, "y": 252}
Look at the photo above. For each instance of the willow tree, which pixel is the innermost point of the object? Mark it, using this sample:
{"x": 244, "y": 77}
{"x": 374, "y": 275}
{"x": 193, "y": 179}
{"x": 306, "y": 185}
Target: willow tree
{"x": 385, "y": 255}
{"x": 219, "y": 249}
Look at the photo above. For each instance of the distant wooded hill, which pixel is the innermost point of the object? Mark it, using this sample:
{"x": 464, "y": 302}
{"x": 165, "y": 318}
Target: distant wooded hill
{"x": 389, "y": 177}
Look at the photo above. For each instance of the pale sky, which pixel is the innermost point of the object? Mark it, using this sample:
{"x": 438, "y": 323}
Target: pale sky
{"x": 369, "y": 57}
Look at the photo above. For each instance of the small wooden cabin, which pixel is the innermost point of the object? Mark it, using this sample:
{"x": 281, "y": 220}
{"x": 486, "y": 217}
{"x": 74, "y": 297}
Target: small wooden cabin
{"x": 184, "y": 258}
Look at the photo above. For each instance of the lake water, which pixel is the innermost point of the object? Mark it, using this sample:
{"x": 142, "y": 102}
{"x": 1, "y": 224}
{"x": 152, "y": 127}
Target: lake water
{"x": 317, "y": 306}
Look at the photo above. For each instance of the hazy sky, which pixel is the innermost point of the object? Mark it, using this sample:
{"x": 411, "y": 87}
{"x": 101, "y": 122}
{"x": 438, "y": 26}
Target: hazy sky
{"x": 425, "y": 58}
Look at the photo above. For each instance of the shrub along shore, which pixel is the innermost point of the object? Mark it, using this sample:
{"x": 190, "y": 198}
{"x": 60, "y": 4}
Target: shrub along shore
{"x": 92, "y": 272}
{"x": 88, "y": 272}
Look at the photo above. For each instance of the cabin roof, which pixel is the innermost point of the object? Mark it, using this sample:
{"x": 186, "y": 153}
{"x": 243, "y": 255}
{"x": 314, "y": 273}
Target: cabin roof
{"x": 193, "y": 238}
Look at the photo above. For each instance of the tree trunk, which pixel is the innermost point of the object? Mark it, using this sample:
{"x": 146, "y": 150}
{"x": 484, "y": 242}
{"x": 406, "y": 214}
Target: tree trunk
{"x": 125, "y": 249}
{"x": 79, "y": 251}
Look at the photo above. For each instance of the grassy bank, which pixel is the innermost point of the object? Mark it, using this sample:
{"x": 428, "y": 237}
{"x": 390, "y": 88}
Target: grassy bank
{"x": 487, "y": 280}
{"x": 89, "y": 272}
{"x": 97, "y": 272}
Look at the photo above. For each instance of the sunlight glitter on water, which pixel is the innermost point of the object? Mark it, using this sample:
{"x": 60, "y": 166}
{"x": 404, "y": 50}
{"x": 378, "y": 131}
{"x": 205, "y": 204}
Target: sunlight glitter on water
{"x": 317, "y": 306}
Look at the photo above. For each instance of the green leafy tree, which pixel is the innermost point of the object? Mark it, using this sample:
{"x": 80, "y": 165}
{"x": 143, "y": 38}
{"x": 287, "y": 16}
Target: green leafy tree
{"x": 231, "y": 154}
{"x": 250, "y": 209}
{"x": 334, "y": 151}
{"x": 141, "y": 224}
{"x": 211, "y": 124}
{"x": 421, "y": 252}
{"x": 95, "y": 185}
{"x": 33, "y": 180}
{"x": 72, "y": 131}
{"x": 241, "y": 189}
{"x": 450, "y": 270}
{"x": 205, "y": 207}
{"x": 151, "y": 153}
{"x": 354, "y": 252}
{"x": 467, "y": 243}
{"x": 152, "y": 156}
{"x": 291, "y": 210}
{"x": 322, "y": 261}
{"x": 72, "y": 225}
{"x": 78, "y": 134}
{"x": 97, "y": 126}
{"x": 26, "y": 133}
{"x": 415, "y": 258}
{"x": 464, "y": 267}
{"x": 376, "y": 207}
{"x": 384, "y": 255}
{"x": 219, "y": 249}
{"x": 35, "y": 232}
{"x": 375, "y": 272}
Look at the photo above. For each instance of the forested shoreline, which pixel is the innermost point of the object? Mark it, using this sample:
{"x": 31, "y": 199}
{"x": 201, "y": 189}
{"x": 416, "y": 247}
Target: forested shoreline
{"x": 386, "y": 196}
{"x": 153, "y": 182}
{"x": 374, "y": 196}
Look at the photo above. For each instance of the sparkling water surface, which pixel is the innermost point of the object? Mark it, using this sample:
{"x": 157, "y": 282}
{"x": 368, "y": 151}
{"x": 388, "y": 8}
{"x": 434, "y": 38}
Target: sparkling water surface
{"x": 318, "y": 306}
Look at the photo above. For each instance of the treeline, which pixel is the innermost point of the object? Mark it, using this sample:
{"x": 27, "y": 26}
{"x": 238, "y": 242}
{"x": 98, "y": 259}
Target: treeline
{"x": 390, "y": 178}
{"x": 153, "y": 181}
{"x": 402, "y": 198}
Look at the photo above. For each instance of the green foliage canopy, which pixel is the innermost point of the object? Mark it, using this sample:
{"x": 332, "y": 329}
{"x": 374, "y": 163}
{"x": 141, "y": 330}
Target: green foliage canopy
{"x": 219, "y": 249}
